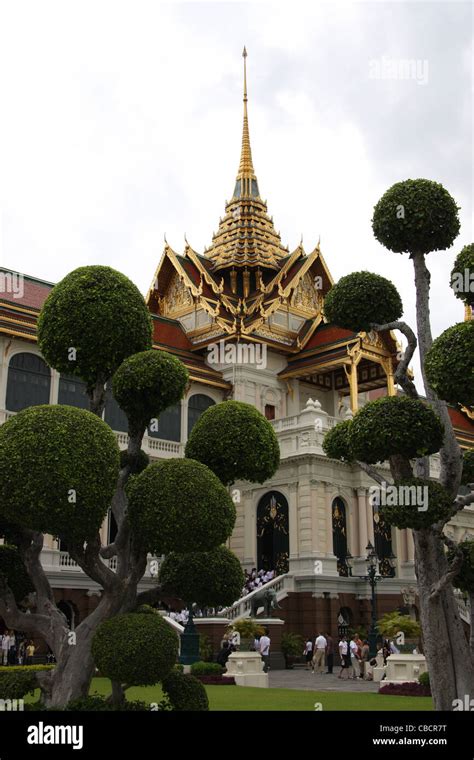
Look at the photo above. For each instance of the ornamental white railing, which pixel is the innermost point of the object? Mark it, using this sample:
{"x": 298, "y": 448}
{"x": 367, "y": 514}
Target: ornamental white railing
{"x": 282, "y": 584}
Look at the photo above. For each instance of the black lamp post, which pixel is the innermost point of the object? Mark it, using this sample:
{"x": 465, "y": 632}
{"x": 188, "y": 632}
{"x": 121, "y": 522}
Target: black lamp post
{"x": 373, "y": 579}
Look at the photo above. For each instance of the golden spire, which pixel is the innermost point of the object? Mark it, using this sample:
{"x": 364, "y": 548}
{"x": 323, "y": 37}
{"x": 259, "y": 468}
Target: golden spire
{"x": 246, "y": 180}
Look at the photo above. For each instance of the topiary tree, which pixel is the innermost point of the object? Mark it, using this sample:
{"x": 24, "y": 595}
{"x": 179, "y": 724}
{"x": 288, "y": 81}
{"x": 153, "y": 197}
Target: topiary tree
{"x": 336, "y": 442}
{"x": 393, "y": 623}
{"x": 60, "y": 472}
{"x": 179, "y": 504}
{"x": 136, "y": 649}
{"x": 449, "y": 364}
{"x": 462, "y": 275}
{"x": 210, "y": 579}
{"x": 186, "y": 693}
{"x": 352, "y": 301}
{"x": 394, "y": 426}
{"x": 90, "y": 322}
{"x": 148, "y": 383}
{"x": 462, "y": 558}
{"x": 236, "y": 441}
{"x": 417, "y": 217}
{"x": 418, "y": 504}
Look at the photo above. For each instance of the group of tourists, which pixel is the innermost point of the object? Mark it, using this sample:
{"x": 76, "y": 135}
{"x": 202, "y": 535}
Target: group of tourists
{"x": 353, "y": 653}
{"x": 256, "y": 578}
{"x": 231, "y": 641}
{"x": 15, "y": 649}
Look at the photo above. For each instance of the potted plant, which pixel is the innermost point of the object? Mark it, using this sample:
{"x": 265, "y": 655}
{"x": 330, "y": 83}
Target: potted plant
{"x": 248, "y": 630}
{"x": 292, "y": 646}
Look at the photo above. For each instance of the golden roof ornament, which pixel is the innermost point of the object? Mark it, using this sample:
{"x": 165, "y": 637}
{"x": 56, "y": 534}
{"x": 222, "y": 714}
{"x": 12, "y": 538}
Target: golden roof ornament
{"x": 246, "y": 236}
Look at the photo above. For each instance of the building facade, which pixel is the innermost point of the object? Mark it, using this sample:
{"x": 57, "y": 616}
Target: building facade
{"x": 246, "y": 316}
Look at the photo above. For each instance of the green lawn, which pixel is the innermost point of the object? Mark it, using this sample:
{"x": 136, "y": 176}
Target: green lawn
{"x": 245, "y": 698}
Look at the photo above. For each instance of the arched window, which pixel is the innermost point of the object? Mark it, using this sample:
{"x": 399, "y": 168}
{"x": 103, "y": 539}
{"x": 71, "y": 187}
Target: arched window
{"x": 197, "y": 404}
{"x": 339, "y": 535}
{"x": 114, "y": 415}
{"x": 29, "y": 381}
{"x": 169, "y": 424}
{"x": 383, "y": 545}
{"x": 273, "y": 540}
{"x": 72, "y": 391}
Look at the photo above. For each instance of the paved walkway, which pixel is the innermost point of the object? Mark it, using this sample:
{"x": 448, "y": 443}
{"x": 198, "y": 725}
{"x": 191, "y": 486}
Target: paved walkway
{"x": 299, "y": 678}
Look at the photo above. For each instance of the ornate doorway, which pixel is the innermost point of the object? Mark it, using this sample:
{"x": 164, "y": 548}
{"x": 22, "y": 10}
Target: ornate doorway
{"x": 273, "y": 541}
{"x": 339, "y": 535}
{"x": 383, "y": 545}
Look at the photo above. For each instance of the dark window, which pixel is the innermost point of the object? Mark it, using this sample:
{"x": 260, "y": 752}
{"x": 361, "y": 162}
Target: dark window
{"x": 72, "y": 391}
{"x": 339, "y": 535}
{"x": 197, "y": 404}
{"x": 269, "y": 411}
{"x": 114, "y": 415}
{"x": 273, "y": 547}
{"x": 28, "y": 384}
{"x": 169, "y": 425}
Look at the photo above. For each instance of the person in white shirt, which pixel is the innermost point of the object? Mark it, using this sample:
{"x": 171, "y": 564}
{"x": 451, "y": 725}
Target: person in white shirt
{"x": 265, "y": 650}
{"x": 5, "y": 647}
{"x": 354, "y": 650}
{"x": 344, "y": 655}
{"x": 319, "y": 653}
{"x": 308, "y": 653}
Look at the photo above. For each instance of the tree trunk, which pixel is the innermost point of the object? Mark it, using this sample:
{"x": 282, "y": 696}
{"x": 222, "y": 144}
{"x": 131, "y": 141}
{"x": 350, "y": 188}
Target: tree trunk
{"x": 471, "y": 640}
{"x": 445, "y": 646}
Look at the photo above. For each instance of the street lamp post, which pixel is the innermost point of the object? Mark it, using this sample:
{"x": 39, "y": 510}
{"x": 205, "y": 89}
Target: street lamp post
{"x": 373, "y": 579}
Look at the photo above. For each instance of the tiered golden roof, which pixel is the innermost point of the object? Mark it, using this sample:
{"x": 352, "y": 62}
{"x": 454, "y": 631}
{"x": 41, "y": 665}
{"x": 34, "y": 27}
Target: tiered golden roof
{"x": 246, "y": 236}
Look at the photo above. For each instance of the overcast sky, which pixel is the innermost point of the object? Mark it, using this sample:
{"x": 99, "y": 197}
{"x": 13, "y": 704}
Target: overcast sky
{"x": 121, "y": 121}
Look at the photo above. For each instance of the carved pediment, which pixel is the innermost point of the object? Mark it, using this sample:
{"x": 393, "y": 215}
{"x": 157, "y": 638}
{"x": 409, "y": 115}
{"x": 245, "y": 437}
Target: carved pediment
{"x": 305, "y": 296}
{"x": 177, "y": 298}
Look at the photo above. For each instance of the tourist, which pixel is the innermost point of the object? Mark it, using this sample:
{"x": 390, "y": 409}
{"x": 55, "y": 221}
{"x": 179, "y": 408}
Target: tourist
{"x": 308, "y": 652}
{"x": 21, "y": 652}
{"x": 329, "y": 653}
{"x": 320, "y": 653}
{"x": 30, "y": 653}
{"x": 364, "y": 657}
{"x": 393, "y": 648}
{"x": 12, "y": 649}
{"x": 344, "y": 655}
{"x": 360, "y": 644}
{"x": 5, "y": 647}
{"x": 355, "y": 659}
{"x": 264, "y": 650}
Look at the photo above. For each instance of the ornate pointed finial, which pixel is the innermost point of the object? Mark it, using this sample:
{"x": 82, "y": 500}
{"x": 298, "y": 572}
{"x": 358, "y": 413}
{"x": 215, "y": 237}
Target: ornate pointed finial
{"x": 244, "y": 56}
{"x": 246, "y": 179}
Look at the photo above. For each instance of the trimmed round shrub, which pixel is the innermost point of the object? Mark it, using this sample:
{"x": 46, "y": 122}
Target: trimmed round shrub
{"x": 186, "y": 693}
{"x": 417, "y": 215}
{"x": 467, "y": 467}
{"x": 136, "y": 463}
{"x": 13, "y": 570}
{"x": 236, "y": 441}
{"x": 137, "y": 649}
{"x": 462, "y": 275}
{"x": 417, "y": 504}
{"x": 101, "y": 314}
{"x": 17, "y": 684}
{"x": 179, "y": 505}
{"x": 424, "y": 679}
{"x": 58, "y": 470}
{"x": 394, "y": 425}
{"x": 464, "y": 580}
{"x": 147, "y": 383}
{"x": 209, "y": 579}
{"x": 361, "y": 299}
{"x": 449, "y": 364}
{"x": 336, "y": 442}
{"x": 206, "y": 669}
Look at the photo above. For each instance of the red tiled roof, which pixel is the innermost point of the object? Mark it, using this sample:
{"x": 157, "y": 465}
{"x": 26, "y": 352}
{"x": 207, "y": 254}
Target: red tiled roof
{"x": 34, "y": 294}
{"x": 460, "y": 420}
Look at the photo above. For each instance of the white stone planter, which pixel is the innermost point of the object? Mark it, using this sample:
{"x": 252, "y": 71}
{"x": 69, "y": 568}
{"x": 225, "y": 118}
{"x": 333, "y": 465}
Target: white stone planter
{"x": 247, "y": 669}
{"x": 402, "y": 668}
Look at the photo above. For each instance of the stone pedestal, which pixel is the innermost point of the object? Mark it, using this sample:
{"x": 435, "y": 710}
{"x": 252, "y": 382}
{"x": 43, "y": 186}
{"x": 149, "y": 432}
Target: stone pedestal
{"x": 247, "y": 669}
{"x": 402, "y": 668}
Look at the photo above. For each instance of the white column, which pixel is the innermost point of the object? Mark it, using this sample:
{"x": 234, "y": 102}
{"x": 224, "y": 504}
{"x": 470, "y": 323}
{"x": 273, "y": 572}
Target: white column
{"x": 410, "y": 546}
{"x": 293, "y": 521}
